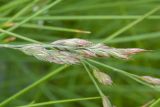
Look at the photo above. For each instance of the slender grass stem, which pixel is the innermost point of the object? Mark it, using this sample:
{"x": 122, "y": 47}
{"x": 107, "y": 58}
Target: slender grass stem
{"x": 123, "y": 29}
{"x": 30, "y": 17}
{"x": 132, "y": 38}
{"x": 54, "y": 28}
{"x": 93, "y": 80}
{"x": 60, "y": 101}
{"x": 102, "y": 5}
{"x": 135, "y": 37}
{"x": 12, "y": 4}
{"x": 41, "y": 80}
{"x": 155, "y": 103}
{"x": 148, "y": 103}
{"x": 89, "y": 17}
{"x": 18, "y": 36}
{"x": 21, "y": 12}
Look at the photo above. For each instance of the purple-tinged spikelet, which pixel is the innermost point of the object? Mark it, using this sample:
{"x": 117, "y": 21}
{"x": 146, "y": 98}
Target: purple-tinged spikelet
{"x": 102, "y": 77}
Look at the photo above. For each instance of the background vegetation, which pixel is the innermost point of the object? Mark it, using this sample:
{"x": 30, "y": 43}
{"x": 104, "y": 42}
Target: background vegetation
{"x": 119, "y": 23}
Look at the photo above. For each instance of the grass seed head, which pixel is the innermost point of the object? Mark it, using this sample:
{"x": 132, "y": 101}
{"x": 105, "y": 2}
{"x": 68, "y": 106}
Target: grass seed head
{"x": 102, "y": 77}
{"x": 72, "y": 42}
{"x": 106, "y": 102}
{"x": 151, "y": 80}
{"x": 71, "y": 51}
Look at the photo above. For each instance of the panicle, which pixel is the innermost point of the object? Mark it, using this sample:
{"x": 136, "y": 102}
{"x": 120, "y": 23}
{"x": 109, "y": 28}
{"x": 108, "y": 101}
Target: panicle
{"x": 71, "y": 51}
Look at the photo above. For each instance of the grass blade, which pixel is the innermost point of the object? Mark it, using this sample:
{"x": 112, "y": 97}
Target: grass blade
{"x": 93, "y": 80}
{"x": 22, "y": 11}
{"x": 89, "y": 17}
{"x": 123, "y": 29}
{"x": 18, "y": 36}
{"x": 102, "y": 5}
{"x": 135, "y": 37}
{"x": 60, "y": 101}
{"x": 23, "y": 91}
{"x": 54, "y": 28}
{"x": 155, "y": 103}
{"x": 30, "y": 17}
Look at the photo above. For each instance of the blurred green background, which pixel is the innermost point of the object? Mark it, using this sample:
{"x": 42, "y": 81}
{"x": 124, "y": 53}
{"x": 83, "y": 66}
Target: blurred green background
{"x": 102, "y": 18}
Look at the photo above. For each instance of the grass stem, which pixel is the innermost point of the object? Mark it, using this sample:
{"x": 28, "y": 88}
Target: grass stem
{"x": 23, "y": 91}
{"x": 93, "y": 80}
{"x": 123, "y": 29}
{"x": 60, "y": 101}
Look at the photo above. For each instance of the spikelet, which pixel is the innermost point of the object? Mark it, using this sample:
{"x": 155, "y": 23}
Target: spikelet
{"x": 151, "y": 80}
{"x": 102, "y": 50}
{"x": 102, "y": 77}
{"x": 72, "y": 42}
{"x": 56, "y": 56}
{"x": 106, "y": 102}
